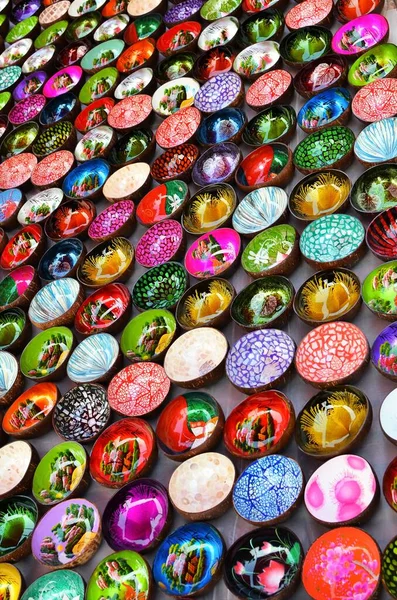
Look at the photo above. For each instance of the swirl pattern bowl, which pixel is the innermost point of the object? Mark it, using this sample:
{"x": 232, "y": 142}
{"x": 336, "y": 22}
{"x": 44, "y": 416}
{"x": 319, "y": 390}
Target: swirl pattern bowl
{"x": 96, "y": 359}
{"x": 377, "y": 143}
{"x": 259, "y": 210}
{"x": 56, "y": 304}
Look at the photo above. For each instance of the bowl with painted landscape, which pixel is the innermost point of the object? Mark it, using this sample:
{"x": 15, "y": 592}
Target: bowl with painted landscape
{"x": 175, "y": 66}
{"x": 19, "y": 139}
{"x": 275, "y": 251}
{"x": 332, "y": 107}
{"x": 14, "y": 329}
{"x": 105, "y": 310}
{"x": 173, "y": 95}
{"x": 45, "y": 356}
{"x": 267, "y": 25}
{"x": 148, "y": 335}
{"x": 61, "y": 136}
{"x": 384, "y": 353}
{"x": 86, "y": 180}
{"x": 206, "y": 304}
{"x": 217, "y": 164}
{"x": 264, "y": 303}
{"x": 137, "y": 145}
{"x": 336, "y": 240}
{"x": 31, "y": 84}
{"x": 102, "y": 55}
{"x": 83, "y": 27}
{"x": 96, "y": 359}
{"x": 217, "y": 61}
{"x": 379, "y": 291}
{"x": 145, "y": 26}
{"x": 375, "y": 190}
{"x": 211, "y": 207}
{"x": 61, "y": 259}
{"x": 30, "y": 415}
{"x": 42, "y": 59}
{"x": 140, "y": 81}
{"x": 19, "y": 516}
{"x": 63, "y": 81}
{"x": 72, "y": 53}
{"x": 255, "y": 60}
{"x": 94, "y": 114}
{"x": 16, "y": 53}
{"x": 376, "y": 63}
{"x": 226, "y": 125}
{"x": 214, "y": 253}
{"x": 54, "y": 34}
{"x": 359, "y": 35}
{"x": 96, "y": 143}
{"x": 161, "y": 286}
{"x": 259, "y": 210}
{"x": 220, "y": 33}
{"x": 377, "y": 143}
{"x": 268, "y": 165}
{"x": 305, "y": 45}
{"x": 56, "y": 303}
{"x": 163, "y": 242}
{"x": 275, "y": 123}
{"x": 61, "y": 108}
{"x": 166, "y": 201}
{"x": 108, "y": 262}
{"x": 71, "y": 219}
{"x": 101, "y": 84}
{"x": 337, "y": 144}
{"x": 25, "y": 247}
{"x": 180, "y": 38}
{"x": 111, "y": 28}
{"x": 381, "y": 234}
{"x": 320, "y": 194}
{"x": 330, "y": 295}
{"x": 140, "y": 54}
{"x": 216, "y": 9}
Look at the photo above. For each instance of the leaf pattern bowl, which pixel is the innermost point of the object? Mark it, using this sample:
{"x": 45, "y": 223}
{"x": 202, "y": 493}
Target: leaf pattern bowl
{"x": 96, "y": 359}
{"x": 46, "y": 355}
{"x": 377, "y": 143}
{"x": 259, "y": 210}
{"x": 61, "y": 136}
{"x": 206, "y": 304}
{"x": 275, "y": 251}
{"x": 211, "y": 207}
{"x": 267, "y": 25}
{"x": 320, "y": 194}
{"x": 217, "y": 164}
{"x": 321, "y": 74}
{"x": 161, "y": 286}
{"x": 379, "y": 291}
{"x": 381, "y": 234}
{"x": 305, "y": 45}
{"x": 375, "y": 190}
{"x": 226, "y": 125}
{"x": 56, "y": 303}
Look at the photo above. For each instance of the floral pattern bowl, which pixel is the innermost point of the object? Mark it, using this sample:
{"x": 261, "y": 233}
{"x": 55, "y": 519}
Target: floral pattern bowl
{"x": 160, "y": 287}
{"x": 381, "y": 234}
{"x": 96, "y": 359}
{"x": 361, "y": 34}
{"x": 321, "y": 74}
{"x": 259, "y": 210}
{"x": 275, "y": 251}
{"x": 213, "y": 254}
{"x": 379, "y": 291}
{"x": 320, "y": 194}
{"x": 377, "y": 143}
{"x": 211, "y": 207}
{"x": 219, "y": 33}
{"x": 115, "y": 221}
{"x": 148, "y": 336}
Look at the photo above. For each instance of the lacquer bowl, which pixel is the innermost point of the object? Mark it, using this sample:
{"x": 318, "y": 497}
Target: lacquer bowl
{"x": 264, "y": 303}
{"x": 19, "y": 140}
{"x": 25, "y": 248}
{"x": 260, "y": 360}
{"x": 388, "y": 568}
{"x": 166, "y": 201}
{"x": 15, "y": 172}
{"x": 131, "y": 182}
{"x": 101, "y": 84}
{"x": 211, "y": 207}
{"x": 337, "y": 144}
{"x": 102, "y": 55}
{"x": 259, "y": 210}
{"x": 388, "y": 488}
{"x": 346, "y": 416}
{"x": 223, "y": 90}
{"x": 78, "y": 516}
{"x": 96, "y": 143}
{"x": 83, "y": 27}
{"x": 197, "y": 358}
{"x": 226, "y": 125}
{"x": 332, "y": 107}
{"x": 388, "y": 407}
{"x": 19, "y": 516}
{"x": 14, "y": 329}
{"x": 61, "y": 260}
{"x": 138, "y": 390}
{"x": 217, "y": 164}
{"x": 381, "y": 236}
{"x": 178, "y": 128}
{"x": 180, "y": 38}
{"x": 140, "y": 54}
{"x": 134, "y": 563}
{"x": 128, "y": 438}
{"x": 175, "y": 163}
{"x": 206, "y": 304}
{"x": 321, "y": 74}
{"x": 379, "y": 292}
{"x": 305, "y": 45}
{"x": 376, "y": 144}
{"x": 52, "y": 34}
{"x": 86, "y": 180}
{"x": 108, "y": 262}
{"x": 9, "y": 77}
{"x": 160, "y": 287}
{"x": 320, "y": 194}
{"x": 105, "y": 310}
{"x": 12, "y": 382}
{"x": 210, "y": 38}
{"x": 175, "y": 66}
{"x": 332, "y": 354}
{"x": 139, "y": 8}
{"x": 261, "y": 27}
{"x": 138, "y": 145}
{"x": 329, "y": 295}
{"x": 376, "y": 101}
{"x": 173, "y": 95}
{"x": 23, "y": 10}
{"x": 50, "y": 172}
{"x": 115, "y": 221}
{"x": 56, "y": 304}
{"x": 94, "y": 114}
{"x": 71, "y": 219}
{"x": 333, "y": 241}
{"x": 256, "y": 59}
{"x": 320, "y": 13}
{"x": 142, "y": 27}
{"x": 53, "y": 14}
{"x": 30, "y": 415}
{"x": 361, "y": 34}
{"x": 82, "y": 413}
{"x": 130, "y": 112}
{"x": 95, "y": 360}
{"x": 163, "y": 242}
{"x": 111, "y": 28}
{"x": 186, "y": 10}
{"x": 275, "y": 251}
{"x": 213, "y": 254}
{"x": 61, "y": 136}
{"x": 378, "y": 62}
{"x": 275, "y": 123}
{"x": 347, "y": 12}
{"x": 138, "y": 517}
{"x": 140, "y": 81}
{"x": 270, "y": 164}
{"x": 214, "y": 62}
{"x": 72, "y": 53}
{"x": 11, "y": 201}
{"x": 40, "y": 206}
{"x": 261, "y": 424}
{"x": 26, "y": 28}
{"x": 45, "y": 356}
{"x": 66, "y": 581}
{"x": 214, "y": 9}
{"x": 148, "y": 336}
{"x": 30, "y": 85}
{"x": 63, "y": 81}
{"x": 18, "y": 462}
{"x": 18, "y": 288}
{"x": 69, "y": 462}
{"x": 383, "y": 359}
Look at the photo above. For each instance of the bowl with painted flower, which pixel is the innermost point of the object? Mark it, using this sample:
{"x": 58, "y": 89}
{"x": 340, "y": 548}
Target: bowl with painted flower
{"x": 54, "y": 34}
{"x": 361, "y": 34}
{"x": 206, "y": 304}
{"x": 381, "y": 234}
{"x": 25, "y": 248}
{"x": 72, "y": 53}
{"x": 321, "y": 74}
{"x": 116, "y": 220}
{"x": 226, "y": 125}
{"x": 16, "y": 53}
{"x": 42, "y": 59}
{"x": 148, "y": 336}
{"x": 111, "y": 28}
{"x": 253, "y": 61}
{"x": 378, "y": 62}
{"x": 11, "y": 201}
{"x": 214, "y": 253}
{"x": 320, "y": 194}
{"x": 166, "y": 201}
{"x": 163, "y": 242}
{"x": 275, "y": 251}
{"x": 96, "y": 143}
{"x": 175, "y": 66}
{"x": 175, "y": 163}
{"x": 211, "y": 207}
{"x": 107, "y": 309}
{"x": 61, "y": 260}
{"x": 173, "y": 95}
{"x": 217, "y": 164}
{"x": 62, "y": 108}
{"x": 18, "y": 287}
{"x": 40, "y": 206}
{"x": 86, "y": 180}
{"x": 161, "y": 286}
{"x": 379, "y": 291}
{"x": 45, "y": 356}
{"x": 108, "y": 262}
{"x": 29, "y": 85}
{"x": 180, "y": 38}
{"x": 219, "y": 33}
{"x": 383, "y": 357}
{"x": 19, "y": 139}
{"x": 213, "y": 62}
{"x": 275, "y": 123}
{"x": 101, "y": 84}
{"x": 259, "y": 210}
{"x": 268, "y": 165}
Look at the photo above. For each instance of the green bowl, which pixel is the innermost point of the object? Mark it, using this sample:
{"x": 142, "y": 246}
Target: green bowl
{"x": 148, "y": 336}
{"x": 377, "y": 63}
{"x": 102, "y": 55}
{"x": 9, "y": 76}
{"x": 5, "y": 98}
{"x": 99, "y": 85}
{"x": 305, "y": 45}
{"x": 216, "y": 9}
{"x": 275, "y": 123}
{"x": 61, "y": 136}
{"x": 60, "y": 584}
{"x": 19, "y": 139}
{"x": 51, "y": 35}
{"x": 160, "y": 287}
{"x": 45, "y": 357}
{"x": 274, "y": 251}
{"x": 13, "y": 325}
{"x": 379, "y": 291}
{"x": 61, "y": 474}
{"x": 22, "y": 29}
{"x": 18, "y": 518}
{"x": 330, "y": 148}
{"x": 83, "y": 26}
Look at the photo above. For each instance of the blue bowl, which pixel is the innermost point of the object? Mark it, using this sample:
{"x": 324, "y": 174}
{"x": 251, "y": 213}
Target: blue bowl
{"x": 226, "y": 125}
{"x": 332, "y": 107}
{"x": 62, "y": 259}
{"x": 58, "y": 109}
{"x": 86, "y": 180}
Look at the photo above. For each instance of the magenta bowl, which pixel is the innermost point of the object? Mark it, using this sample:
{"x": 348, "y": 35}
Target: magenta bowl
{"x": 63, "y": 81}
{"x": 115, "y": 218}
{"x": 213, "y": 254}
{"x": 361, "y": 34}
{"x": 27, "y": 109}
{"x": 161, "y": 243}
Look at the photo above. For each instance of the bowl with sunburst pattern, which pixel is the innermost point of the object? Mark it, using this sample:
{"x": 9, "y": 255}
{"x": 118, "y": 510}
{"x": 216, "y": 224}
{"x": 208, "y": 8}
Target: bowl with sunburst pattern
{"x": 320, "y": 194}
{"x": 329, "y": 295}
{"x": 108, "y": 262}
{"x": 206, "y": 304}
{"x": 211, "y": 207}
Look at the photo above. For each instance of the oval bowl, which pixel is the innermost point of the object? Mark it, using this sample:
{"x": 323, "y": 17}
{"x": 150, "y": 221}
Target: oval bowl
{"x": 140, "y": 54}
{"x": 175, "y": 66}
{"x": 86, "y": 180}
{"x": 210, "y": 37}
{"x": 30, "y": 85}
{"x": 175, "y": 163}
{"x": 160, "y": 287}
{"x": 376, "y": 101}
{"x": 375, "y": 190}
{"x": 19, "y": 460}
{"x": 389, "y": 495}
{"x": 19, "y": 140}
{"x": 96, "y": 143}
{"x": 114, "y": 221}
{"x": 211, "y": 207}
{"x": 305, "y": 45}
{"x": 212, "y": 10}
{"x": 224, "y": 90}
{"x": 30, "y": 415}
{"x": 107, "y": 309}
{"x": 94, "y": 114}
{"x": 56, "y": 304}
{"x": 383, "y": 359}
{"x": 54, "y": 34}
{"x": 217, "y": 164}
{"x": 101, "y": 84}
{"x": 312, "y": 13}
{"x": 140, "y": 81}
{"x": 275, "y": 123}
{"x": 102, "y": 55}
{"x": 214, "y": 253}
{"x": 71, "y": 219}
{"x": 40, "y": 206}
{"x": 337, "y": 144}
{"x": 180, "y": 38}
{"x": 11, "y": 201}
{"x": 275, "y": 251}
{"x": 67, "y": 581}
{"x": 332, "y": 107}
{"x": 347, "y": 11}
{"x": 136, "y": 146}
{"x": 131, "y": 112}
{"x": 15, "y": 172}
{"x": 45, "y": 356}
{"x": 51, "y": 171}
{"x": 163, "y": 242}
{"x": 131, "y": 182}
{"x": 25, "y": 247}
{"x": 111, "y": 28}
{"x": 378, "y": 291}
{"x": 18, "y": 287}
{"x": 151, "y": 25}
{"x": 14, "y": 329}
{"x": 173, "y": 95}
{"x": 328, "y": 295}
{"x": 270, "y": 164}
{"x": 376, "y": 144}
{"x": 321, "y": 74}
{"x": 267, "y": 25}
{"x": 42, "y": 59}
{"x": 206, "y": 304}
{"x": 19, "y": 516}
{"x": 178, "y": 128}
{"x": 259, "y": 210}
{"x": 61, "y": 136}
{"x": 226, "y": 125}
{"x": 61, "y": 260}
{"x": 27, "y": 109}
{"x": 361, "y": 34}
{"x": 381, "y": 236}
{"x": 166, "y": 201}
{"x": 108, "y": 262}
{"x": 256, "y": 59}
{"x": 96, "y": 359}
{"x": 134, "y": 563}
{"x": 63, "y": 81}
{"x": 320, "y": 194}
{"x": 72, "y": 53}
{"x": 148, "y": 336}
{"x": 376, "y": 63}
{"x": 83, "y": 27}
{"x": 214, "y": 62}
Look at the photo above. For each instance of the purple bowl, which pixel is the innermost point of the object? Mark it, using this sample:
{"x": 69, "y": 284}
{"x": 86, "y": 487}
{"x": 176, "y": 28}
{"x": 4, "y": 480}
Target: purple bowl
{"x": 221, "y": 91}
{"x": 160, "y": 244}
{"x": 27, "y": 109}
{"x": 136, "y": 517}
{"x": 384, "y": 352}
{"x": 218, "y": 164}
{"x": 25, "y": 9}
{"x": 260, "y": 360}
{"x": 183, "y": 11}
{"x": 63, "y": 81}
{"x": 361, "y": 34}
{"x": 29, "y": 86}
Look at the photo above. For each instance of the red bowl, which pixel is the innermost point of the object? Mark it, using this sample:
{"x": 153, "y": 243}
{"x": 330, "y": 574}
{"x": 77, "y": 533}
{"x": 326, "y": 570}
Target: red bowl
{"x": 104, "y": 311}
{"x": 130, "y": 112}
{"x": 141, "y": 54}
{"x": 24, "y": 248}
{"x": 180, "y": 38}
{"x": 94, "y": 114}
{"x": 52, "y": 169}
{"x": 16, "y": 171}
{"x": 70, "y": 220}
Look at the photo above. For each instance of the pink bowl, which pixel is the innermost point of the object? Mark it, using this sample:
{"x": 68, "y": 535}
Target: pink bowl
{"x": 111, "y": 220}
{"x": 160, "y": 243}
{"x": 27, "y": 109}
{"x": 213, "y": 253}
{"x": 62, "y": 81}
{"x": 359, "y": 35}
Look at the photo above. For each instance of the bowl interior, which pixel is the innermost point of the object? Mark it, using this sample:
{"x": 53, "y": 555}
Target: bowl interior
{"x": 63, "y": 81}
{"x": 377, "y": 142}
{"x": 175, "y": 66}
{"x": 21, "y": 247}
{"x": 259, "y": 210}
{"x": 10, "y": 201}
{"x": 102, "y": 309}
{"x": 46, "y": 352}
{"x": 147, "y": 335}
{"x": 160, "y": 287}
{"x": 178, "y": 37}
{"x": 319, "y": 194}
{"x": 57, "y": 109}
{"x": 60, "y": 259}
{"x": 324, "y": 109}
{"x": 70, "y": 219}
{"x": 262, "y": 165}
{"x": 376, "y": 189}
{"x": 106, "y": 262}
{"x": 269, "y": 125}
{"x": 209, "y": 208}
{"x": 261, "y": 27}
{"x": 136, "y": 56}
{"x": 216, "y": 164}
{"x": 367, "y": 31}
{"x": 262, "y": 301}
{"x": 12, "y": 324}
{"x": 94, "y": 114}
{"x": 99, "y": 85}
{"x": 256, "y": 59}
{"x": 213, "y": 253}
{"x": 382, "y": 234}
{"x": 40, "y": 206}
{"x": 221, "y": 126}
{"x": 332, "y": 238}
{"x": 40, "y": 399}
{"x": 110, "y": 220}
{"x": 70, "y": 414}
{"x": 214, "y": 62}
{"x": 15, "y": 284}
{"x": 134, "y": 83}
{"x": 378, "y": 289}
{"x": 374, "y": 64}
{"x": 170, "y": 96}
{"x": 67, "y": 582}
{"x": 160, "y": 243}
{"x": 19, "y": 516}
{"x": 19, "y": 139}
{"x": 129, "y": 147}
{"x": 174, "y": 162}
{"x": 306, "y": 44}
{"x": 93, "y": 358}
{"x": 54, "y": 300}
{"x": 204, "y": 302}
{"x": 337, "y": 142}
